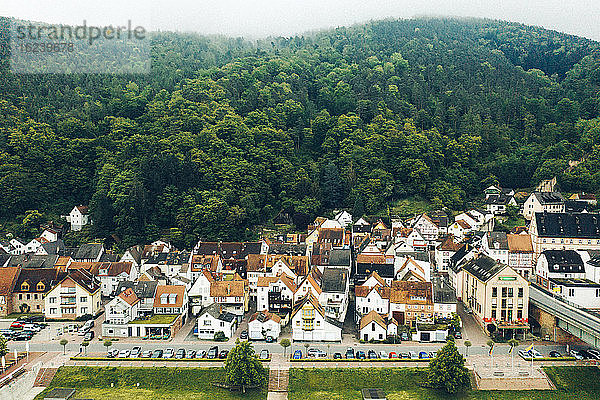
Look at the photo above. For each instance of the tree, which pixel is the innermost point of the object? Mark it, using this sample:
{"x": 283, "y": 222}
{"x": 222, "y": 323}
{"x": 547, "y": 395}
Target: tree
{"x": 85, "y": 345}
{"x": 285, "y": 343}
{"x": 467, "y": 345}
{"x": 243, "y": 368}
{"x": 306, "y": 346}
{"x": 107, "y": 343}
{"x": 63, "y": 343}
{"x": 219, "y": 336}
{"x": 447, "y": 370}
{"x": 3, "y": 346}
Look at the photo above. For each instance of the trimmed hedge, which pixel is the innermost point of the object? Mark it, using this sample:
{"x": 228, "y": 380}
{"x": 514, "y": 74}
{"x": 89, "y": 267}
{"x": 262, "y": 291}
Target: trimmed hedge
{"x": 365, "y": 360}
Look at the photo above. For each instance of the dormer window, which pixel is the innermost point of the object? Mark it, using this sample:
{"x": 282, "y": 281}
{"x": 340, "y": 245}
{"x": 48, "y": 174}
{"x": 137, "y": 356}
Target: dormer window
{"x": 24, "y": 286}
{"x": 164, "y": 298}
{"x": 172, "y": 298}
{"x": 40, "y": 287}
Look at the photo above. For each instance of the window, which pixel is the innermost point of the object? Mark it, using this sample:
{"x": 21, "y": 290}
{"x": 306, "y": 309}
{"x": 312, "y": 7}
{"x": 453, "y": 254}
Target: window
{"x": 24, "y": 286}
{"x": 571, "y": 292}
{"x": 520, "y": 292}
{"x": 40, "y": 287}
{"x": 52, "y": 300}
{"x": 503, "y": 292}
{"x": 597, "y": 292}
{"x": 503, "y": 303}
{"x": 510, "y": 292}
{"x": 373, "y": 326}
{"x": 83, "y": 299}
{"x": 494, "y": 292}
{"x": 493, "y": 314}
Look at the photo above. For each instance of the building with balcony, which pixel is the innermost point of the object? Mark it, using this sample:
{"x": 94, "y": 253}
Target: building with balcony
{"x": 76, "y": 295}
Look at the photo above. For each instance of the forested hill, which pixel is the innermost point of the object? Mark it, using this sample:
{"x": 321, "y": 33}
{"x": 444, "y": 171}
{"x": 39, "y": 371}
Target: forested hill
{"x": 226, "y": 134}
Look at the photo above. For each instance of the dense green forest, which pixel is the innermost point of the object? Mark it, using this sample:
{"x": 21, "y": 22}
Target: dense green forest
{"x": 225, "y": 134}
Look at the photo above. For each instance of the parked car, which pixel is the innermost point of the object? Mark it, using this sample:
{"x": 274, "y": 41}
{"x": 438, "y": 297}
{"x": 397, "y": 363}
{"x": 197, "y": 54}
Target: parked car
{"x": 468, "y": 310}
{"x": 201, "y": 354}
{"x": 158, "y": 353}
{"x": 576, "y": 354}
{"x": 223, "y": 354}
{"x": 404, "y": 355}
{"x": 82, "y": 331}
{"x": 136, "y": 351}
{"x": 393, "y": 354}
{"x": 190, "y": 354}
{"x": 16, "y": 325}
{"x": 147, "y": 354}
{"x": 555, "y": 354}
{"x": 360, "y": 355}
{"x": 372, "y": 355}
{"x": 180, "y": 354}
{"x": 456, "y": 334}
{"x": 125, "y": 353}
{"x": 32, "y": 327}
{"x": 270, "y": 339}
{"x": 337, "y": 356}
{"x": 424, "y": 355}
{"x": 349, "y": 352}
{"x": 594, "y": 352}
{"x": 89, "y": 336}
{"x": 587, "y": 355}
{"x": 23, "y": 336}
{"x": 264, "y": 354}
{"x": 244, "y": 335}
{"x": 383, "y": 354}
{"x": 112, "y": 353}
{"x": 213, "y": 352}
{"x": 413, "y": 355}
{"x": 169, "y": 353}
{"x": 297, "y": 355}
{"x": 316, "y": 353}
{"x": 404, "y": 336}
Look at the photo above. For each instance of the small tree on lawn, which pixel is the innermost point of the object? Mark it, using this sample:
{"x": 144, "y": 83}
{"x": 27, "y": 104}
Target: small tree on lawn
{"x": 467, "y": 345}
{"x": 306, "y": 346}
{"x": 285, "y": 343}
{"x": 85, "y": 344}
{"x": 447, "y": 371}
{"x": 243, "y": 368}
{"x": 3, "y": 346}
{"x": 63, "y": 343}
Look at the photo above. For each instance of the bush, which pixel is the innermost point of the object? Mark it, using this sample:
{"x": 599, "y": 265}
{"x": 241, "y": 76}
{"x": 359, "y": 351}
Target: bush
{"x": 220, "y": 336}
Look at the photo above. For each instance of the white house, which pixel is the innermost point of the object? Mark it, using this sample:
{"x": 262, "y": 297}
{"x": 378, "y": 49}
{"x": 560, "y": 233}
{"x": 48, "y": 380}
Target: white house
{"x": 214, "y": 319}
{"x": 495, "y": 245}
{"x": 537, "y": 202}
{"x": 275, "y": 294}
{"x": 459, "y": 228}
{"x": 78, "y": 217}
{"x": 427, "y": 227}
{"x": 582, "y": 292}
{"x": 123, "y": 308}
{"x": 344, "y": 218}
{"x": 372, "y": 327}
{"x": 444, "y": 251}
{"x": 50, "y": 234}
{"x": 309, "y": 322}
{"x": 408, "y": 268}
{"x": 263, "y": 324}
{"x": 560, "y": 264}
{"x": 18, "y": 246}
{"x": 112, "y": 273}
{"x": 375, "y": 298}
{"x": 75, "y": 295}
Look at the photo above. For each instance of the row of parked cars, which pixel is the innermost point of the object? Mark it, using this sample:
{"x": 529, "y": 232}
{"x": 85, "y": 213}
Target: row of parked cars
{"x": 588, "y": 354}
{"x": 212, "y": 353}
{"x": 24, "y": 328}
{"x": 351, "y": 354}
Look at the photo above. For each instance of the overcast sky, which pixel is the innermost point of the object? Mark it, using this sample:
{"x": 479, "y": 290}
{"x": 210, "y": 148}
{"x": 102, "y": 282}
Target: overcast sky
{"x": 258, "y": 18}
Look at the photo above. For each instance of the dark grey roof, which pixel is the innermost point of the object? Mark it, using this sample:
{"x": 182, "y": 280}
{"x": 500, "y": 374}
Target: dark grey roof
{"x": 143, "y": 289}
{"x": 549, "y": 197}
{"x": 576, "y": 206}
{"x": 89, "y": 251}
{"x": 33, "y": 261}
{"x": 498, "y": 199}
{"x": 575, "y": 282}
{"x": 497, "y": 239}
{"x": 4, "y": 258}
{"x": 571, "y": 225}
{"x": 109, "y": 257}
{"x": 443, "y": 291}
{"x": 564, "y": 261}
{"x": 178, "y": 258}
{"x": 339, "y": 257}
{"x": 456, "y": 258}
{"x": 483, "y": 267}
{"x": 384, "y": 270}
{"x": 334, "y": 280}
{"x": 215, "y": 310}
{"x": 158, "y": 258}
{"x": 287, "y": 249}
{"x": 56, "y": 247}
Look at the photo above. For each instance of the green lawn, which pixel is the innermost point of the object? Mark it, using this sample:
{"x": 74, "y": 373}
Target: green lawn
{"x": 581, "y": 383}
{"x": 155, "y": 384}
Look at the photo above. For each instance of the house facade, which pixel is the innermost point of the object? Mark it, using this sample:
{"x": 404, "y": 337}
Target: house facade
{"x": 309, "y": 322}
{"x": 76, "y": 295}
